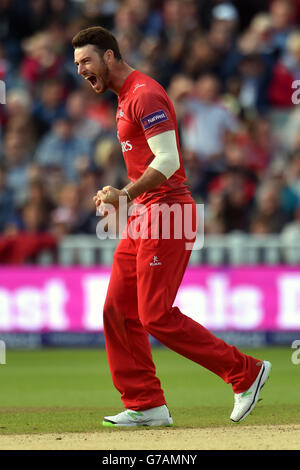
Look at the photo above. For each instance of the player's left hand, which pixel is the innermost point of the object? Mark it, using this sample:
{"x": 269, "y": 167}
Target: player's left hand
{"x": 109, "y": 195}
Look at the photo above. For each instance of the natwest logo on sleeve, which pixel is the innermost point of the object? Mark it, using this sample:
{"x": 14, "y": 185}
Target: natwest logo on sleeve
{"x": 154, "y": 118}
{"x": 126, "y": 145}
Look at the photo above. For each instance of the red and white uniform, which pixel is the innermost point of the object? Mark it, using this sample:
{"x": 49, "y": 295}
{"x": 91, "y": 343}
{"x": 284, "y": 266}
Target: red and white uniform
{"x": 147, "y": 272}
{"x": 144, "y": 111}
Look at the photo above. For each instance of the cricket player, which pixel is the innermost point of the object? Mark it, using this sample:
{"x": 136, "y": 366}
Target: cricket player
{"x": 147, "y": 271}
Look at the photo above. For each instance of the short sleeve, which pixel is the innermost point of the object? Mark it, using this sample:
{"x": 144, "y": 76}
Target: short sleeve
{"x": 152, "y": 111}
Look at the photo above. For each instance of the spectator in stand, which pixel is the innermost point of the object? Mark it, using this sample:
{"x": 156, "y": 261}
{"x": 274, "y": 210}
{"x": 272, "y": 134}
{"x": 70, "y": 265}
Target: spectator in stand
{"x": 237, "y": 203}
{"x": 23, "y": 127}
{"x": 252, "y": 61}
{"x": 77, "y": 110}
{"x": 25, "y": 248}
{"x": 237, "y": 186}
{"x": 262, "y": 146}
{"x": 73, "y": 214}
{"x": 108, "y": 160}
{"x": 63, "y": 10}
{"x": 225, "y": 12}
{"x": 148, "y": 20}
{"x": 291, "y": 127}
{"x": 33, "y": 217}
{"x": 37, "y": 195}
{"x": 41, "y": 61}
{"x": 180, "y": 90}
{"x": 136, "y": 28}
{"x": 68, "y": 208}
{"x": 280, "y": 172}
{"x": 13, "y": 28}
{"x": 269, "y": 207}
{"x": 206, "y": 127}
{"x": 282, "y": 17}
{"x": 16, "y": 157}
{"x": 224, "y": 26}
{"x": 126, "y": 23}
{"x": 260, "y": 225}
{"x": 180, "y": 18}
{"x": 200, "y": 58}
{"x": 179, "y": 36}
{"x": 254, "y": 74}
{"x": 60, "y": 224}
{"x": 62, "y": 148}
{"x": 213, "y": 216}
{"x": 291, "y": 235}
{"x": 53, "y": 180}
{"x": 237, "y": 163}
{"x": 50, "y": 104}
{"x": 206, "y": 8}
{"x": 129, "y": 47}
{"x": 260, "y": 34}
{"x": 207, "y": 123}
{"x": 154, "y": 60}
{"x": 292, "y": 174}
{"x": 99, "y": 12}
{"x": 25, "y": 245}
{"x": 89, "y": 182}
{"x": 222, "y": 38}
{"x": 7, "y": 210}
{"x": 36, "y": 14}
{"x": 18, "y": 103}
{"x": 230, "y": 99}
{"x": 286, "y": 71}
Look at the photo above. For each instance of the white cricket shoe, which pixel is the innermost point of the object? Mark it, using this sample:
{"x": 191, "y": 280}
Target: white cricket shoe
{"x": 158, "y": 416}
{"x": 245, "y": 402}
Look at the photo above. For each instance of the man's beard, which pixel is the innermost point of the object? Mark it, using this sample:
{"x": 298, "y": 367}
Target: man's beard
{"x": 103, "y": 79}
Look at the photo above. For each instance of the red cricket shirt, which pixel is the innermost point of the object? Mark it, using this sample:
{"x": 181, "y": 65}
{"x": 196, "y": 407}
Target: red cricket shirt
{"x": 144, "y": 111}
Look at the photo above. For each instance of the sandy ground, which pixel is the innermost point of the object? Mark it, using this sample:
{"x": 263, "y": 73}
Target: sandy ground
{"x": 285, "y": 437}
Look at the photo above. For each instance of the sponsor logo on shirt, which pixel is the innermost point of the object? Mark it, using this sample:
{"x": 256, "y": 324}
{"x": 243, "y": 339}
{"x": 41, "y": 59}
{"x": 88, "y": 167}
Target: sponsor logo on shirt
{"x": 126, "y": 145}
{"x": 138, "y": 85}
{"x": 154, "y": 118}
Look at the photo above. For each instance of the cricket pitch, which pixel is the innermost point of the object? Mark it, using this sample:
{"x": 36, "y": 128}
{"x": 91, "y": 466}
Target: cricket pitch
{"x": 279, "y": 437}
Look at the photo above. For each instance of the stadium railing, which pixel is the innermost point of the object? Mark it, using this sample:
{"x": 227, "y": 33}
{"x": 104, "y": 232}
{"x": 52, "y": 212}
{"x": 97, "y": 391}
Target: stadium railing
{"x": 234, "y": 249}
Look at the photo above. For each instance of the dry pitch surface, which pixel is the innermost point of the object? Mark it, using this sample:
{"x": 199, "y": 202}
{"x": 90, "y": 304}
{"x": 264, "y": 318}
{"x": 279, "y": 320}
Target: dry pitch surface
{"x": 58, "y": 403}
{"x": 281, "y": 437}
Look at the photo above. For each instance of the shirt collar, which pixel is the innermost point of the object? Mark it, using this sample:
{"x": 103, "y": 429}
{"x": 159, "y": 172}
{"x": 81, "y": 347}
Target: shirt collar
{"x": 127, "y": 84}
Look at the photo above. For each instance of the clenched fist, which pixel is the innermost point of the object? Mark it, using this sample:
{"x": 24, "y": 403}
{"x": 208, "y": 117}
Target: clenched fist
{"x": 107, "y": 197}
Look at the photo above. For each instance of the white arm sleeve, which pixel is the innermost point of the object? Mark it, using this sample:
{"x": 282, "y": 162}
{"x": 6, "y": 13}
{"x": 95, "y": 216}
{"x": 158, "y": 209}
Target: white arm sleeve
{"x": 165, "y": 151}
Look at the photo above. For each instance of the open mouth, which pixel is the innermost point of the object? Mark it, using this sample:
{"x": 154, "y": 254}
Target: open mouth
{"x": 92, "y": 79}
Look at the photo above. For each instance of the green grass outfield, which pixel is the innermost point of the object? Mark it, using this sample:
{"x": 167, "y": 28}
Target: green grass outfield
{"x": 61, "y": 390}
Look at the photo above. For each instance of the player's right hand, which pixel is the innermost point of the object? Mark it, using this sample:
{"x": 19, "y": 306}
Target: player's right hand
{"x": 102, "y": 208}
{"x": 97, "y": 200}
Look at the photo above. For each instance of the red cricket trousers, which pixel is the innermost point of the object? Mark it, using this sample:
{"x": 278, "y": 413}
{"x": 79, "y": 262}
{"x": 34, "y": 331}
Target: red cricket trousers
{"x": 145, "y": 277}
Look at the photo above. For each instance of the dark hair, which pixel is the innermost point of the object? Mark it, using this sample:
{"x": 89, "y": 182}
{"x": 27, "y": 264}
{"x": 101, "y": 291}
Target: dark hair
{"x": 99, "y": 37}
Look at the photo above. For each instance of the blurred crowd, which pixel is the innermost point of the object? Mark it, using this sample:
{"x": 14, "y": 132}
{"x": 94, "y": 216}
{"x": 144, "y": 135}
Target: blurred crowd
{"x": 232, "y": 70}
